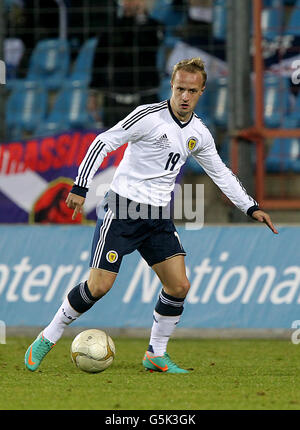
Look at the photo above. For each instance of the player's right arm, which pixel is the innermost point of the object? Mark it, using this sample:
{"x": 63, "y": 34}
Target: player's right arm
{"x": 76, "y": 202}
{"x": 87, "y": 169}
{"x": 104, "y": 143}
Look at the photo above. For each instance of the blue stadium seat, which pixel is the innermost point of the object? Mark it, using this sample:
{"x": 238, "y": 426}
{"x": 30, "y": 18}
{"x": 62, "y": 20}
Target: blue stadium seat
{"x": 219, "y": 19}
{"x": 26, "y": 107}
{"x": 295, "y": 112}
{"x": 82, "y": 68}
{"x": 284, "y": 154}
{"x": 219, "y": 109}
{"x": 161, "y": 59}
{"x": 224, "y": 150}
{"x": 69, "y": 111}
{"x": 291, "y": 121}
{"x": 271, "y": 22}
{"x": 164, "y": 12}
{"x": 293, "y": 27}
{"x": 49, "y": 63}
{"x": 165, "y": 88}
{"x": 276, "y": 103}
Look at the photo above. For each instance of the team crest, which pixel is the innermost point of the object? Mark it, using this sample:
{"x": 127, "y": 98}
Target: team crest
{"x": 112, "y": 256}
{"x": 191, "y": 143}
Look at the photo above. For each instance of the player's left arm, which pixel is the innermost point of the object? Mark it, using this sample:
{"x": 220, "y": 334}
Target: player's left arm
{"x": 231, "y": 186}
{"x": 261, "y": 216}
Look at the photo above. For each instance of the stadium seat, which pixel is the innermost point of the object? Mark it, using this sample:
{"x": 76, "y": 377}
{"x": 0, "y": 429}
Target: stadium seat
{"x": 271, "y": 22}
{"x": 219, "y": 102}
{"x": 276, "y": 94}
{"x": 82, "y": 68}
{"x": 224, "y": 150}
{"x": 69, "y": 111}
{"x": 26, "y": 107}
{"x": 165, "y": 88}
{"x": 291, "y": 121}
{"x": 49, "y": 63}
{"x": 284, "y": 154}
{"x": 164, "y": 12}
{"x": 219, "y": 19}
{"x": 172, "y": 18}
{"x": 161, "y": 59}
{"x": 293, "y": 27}
{"x": 295, "y": 112}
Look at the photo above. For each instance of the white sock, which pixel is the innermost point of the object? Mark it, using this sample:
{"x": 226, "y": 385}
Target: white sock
{"x": 162, "y": 328}
{"x": 63, "y": 317}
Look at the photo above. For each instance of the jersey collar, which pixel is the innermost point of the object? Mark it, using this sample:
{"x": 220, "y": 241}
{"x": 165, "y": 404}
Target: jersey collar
{"x": 176, "y": 119}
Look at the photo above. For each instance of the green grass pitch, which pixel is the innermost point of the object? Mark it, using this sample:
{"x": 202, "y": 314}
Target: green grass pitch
{"x": 227, "y": 374}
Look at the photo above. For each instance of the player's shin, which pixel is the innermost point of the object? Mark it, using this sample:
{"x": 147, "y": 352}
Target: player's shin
{"x": 78, "y": 301}
{"x": 165, "y": 318}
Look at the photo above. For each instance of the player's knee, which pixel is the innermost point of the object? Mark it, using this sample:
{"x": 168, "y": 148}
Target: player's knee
{"x": 98, "y": 289}
{"x": 99, "y": 284}
{"x": 181, "y": 289}
{"x": 185, "y": 286}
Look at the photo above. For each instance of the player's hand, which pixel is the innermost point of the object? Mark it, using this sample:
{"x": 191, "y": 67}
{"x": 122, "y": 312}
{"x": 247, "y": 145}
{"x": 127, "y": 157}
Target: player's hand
{"x": 73, "y": 201}
{"x": 262, "y": 216}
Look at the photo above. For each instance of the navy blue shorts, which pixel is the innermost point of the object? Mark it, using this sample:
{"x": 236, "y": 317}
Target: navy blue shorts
{"x": 155, "y": 239}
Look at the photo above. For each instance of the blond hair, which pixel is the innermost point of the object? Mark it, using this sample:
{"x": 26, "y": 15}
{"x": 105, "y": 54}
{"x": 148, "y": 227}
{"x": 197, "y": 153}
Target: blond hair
{"x": 192, "y": 65}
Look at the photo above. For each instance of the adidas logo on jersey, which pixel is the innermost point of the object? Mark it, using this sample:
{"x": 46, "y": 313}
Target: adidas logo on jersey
{"x": 163, "y": 141}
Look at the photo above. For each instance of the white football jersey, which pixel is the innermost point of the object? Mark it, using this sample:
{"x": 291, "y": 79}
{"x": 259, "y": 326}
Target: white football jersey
{"x": 158, "y": 146}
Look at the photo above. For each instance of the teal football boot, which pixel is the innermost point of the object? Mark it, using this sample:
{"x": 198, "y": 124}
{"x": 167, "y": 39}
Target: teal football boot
{"x": 161, "y": 363}
{"x": 37, "y": 351}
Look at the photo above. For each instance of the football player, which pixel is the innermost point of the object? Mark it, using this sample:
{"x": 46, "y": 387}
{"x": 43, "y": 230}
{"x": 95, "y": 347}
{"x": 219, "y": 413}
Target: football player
{"x": 160, "y": 138}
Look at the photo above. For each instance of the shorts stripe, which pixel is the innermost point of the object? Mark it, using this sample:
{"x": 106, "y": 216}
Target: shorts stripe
{"x": 103, "y": 232}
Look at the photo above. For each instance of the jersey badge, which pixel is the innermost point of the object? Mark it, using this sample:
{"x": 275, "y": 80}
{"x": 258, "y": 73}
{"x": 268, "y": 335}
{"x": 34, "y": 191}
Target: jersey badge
{"x": 112, "y": 256}
{"x": 191, "y": 143}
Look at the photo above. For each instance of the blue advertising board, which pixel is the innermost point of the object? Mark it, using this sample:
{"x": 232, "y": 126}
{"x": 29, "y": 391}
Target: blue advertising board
{"x": 241, "y": 277}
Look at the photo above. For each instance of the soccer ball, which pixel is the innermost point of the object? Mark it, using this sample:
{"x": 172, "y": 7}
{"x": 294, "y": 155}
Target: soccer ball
{"x": 93, "y": 351}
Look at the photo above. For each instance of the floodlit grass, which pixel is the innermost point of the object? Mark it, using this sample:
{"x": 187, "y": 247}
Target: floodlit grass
{"x": 227, "y": 374}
